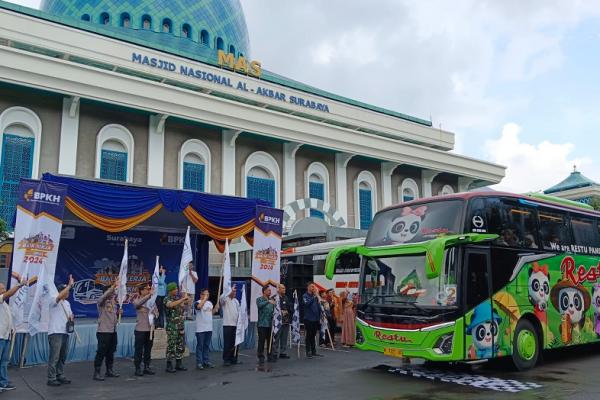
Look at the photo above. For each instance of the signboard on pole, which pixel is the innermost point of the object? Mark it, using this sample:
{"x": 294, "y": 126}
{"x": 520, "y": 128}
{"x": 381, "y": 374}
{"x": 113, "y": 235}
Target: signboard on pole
{"x": 40, "y": 209}
{"x": 266, "y": 254}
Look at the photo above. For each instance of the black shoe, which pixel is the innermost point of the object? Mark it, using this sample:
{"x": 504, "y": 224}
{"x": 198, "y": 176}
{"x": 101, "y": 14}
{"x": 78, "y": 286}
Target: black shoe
{"x": 272, "y": 359}
{"x": 317, "y": 355}
{"x": 208, "y": 365}
{"x": 138, "y": 371}
{"x": 261, "y": 361}
{"x": 170, "y": 368}
{"x": 111, "y": 374}
{"x": 63, "y": 380}
{"x": 148, "y": 370}
{"x": 97, "y": 375}
{"x": 53, "y": 383}
{"x": 199, "y": 366}
{"x": 309, "y": 356}
{"x": 179, "y": 366}
{"x": 7, "y": 387}
{"x": 284, "y": 356}
{"x": 227, "y": 364}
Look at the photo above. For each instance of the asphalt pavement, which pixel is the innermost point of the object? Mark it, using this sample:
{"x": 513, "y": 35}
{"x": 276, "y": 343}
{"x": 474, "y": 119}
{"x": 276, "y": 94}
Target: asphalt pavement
{"x": 344, "y": 374}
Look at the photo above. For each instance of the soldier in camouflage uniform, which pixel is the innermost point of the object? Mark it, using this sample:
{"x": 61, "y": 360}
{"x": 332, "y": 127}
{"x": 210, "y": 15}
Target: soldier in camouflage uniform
{"x": 175, "y": 327}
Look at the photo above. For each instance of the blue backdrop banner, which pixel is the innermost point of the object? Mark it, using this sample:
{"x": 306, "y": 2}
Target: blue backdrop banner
{"x": 93, "y": 258}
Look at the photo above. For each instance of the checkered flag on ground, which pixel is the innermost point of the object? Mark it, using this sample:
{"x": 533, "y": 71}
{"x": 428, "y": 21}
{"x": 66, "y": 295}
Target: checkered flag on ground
{"x": 296, "y": 320}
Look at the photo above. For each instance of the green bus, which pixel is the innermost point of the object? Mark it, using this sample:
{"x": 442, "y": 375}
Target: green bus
{"x": 477, "y": 276}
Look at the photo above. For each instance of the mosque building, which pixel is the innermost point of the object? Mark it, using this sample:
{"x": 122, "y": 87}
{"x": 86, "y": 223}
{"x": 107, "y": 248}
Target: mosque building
{"x": 168, "y": 93}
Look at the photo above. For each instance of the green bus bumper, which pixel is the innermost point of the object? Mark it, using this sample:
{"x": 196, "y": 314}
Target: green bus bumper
{"x": 429, "y": 343}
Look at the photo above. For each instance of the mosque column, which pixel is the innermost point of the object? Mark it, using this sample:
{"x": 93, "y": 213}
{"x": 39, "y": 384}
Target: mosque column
{"x": 69, "y": 134}
{"x": 156, "y": 149}
{"x": 289, "y": 174}
{"x": 427, "y": 177}
{"x": 228, "y": 172}
{"x": 387, "y": 169}
{"x": 341, "y": 183}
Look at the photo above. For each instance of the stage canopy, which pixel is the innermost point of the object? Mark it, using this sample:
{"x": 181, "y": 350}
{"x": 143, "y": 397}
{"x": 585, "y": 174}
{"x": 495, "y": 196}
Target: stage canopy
{"x": 114, "y": 207}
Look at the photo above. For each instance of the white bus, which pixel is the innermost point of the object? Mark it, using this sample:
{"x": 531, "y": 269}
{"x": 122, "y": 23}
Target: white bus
{"x": 302, "y": 264}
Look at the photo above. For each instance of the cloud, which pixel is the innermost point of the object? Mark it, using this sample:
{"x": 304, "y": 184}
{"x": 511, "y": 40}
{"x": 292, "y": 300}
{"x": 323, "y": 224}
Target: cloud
{"x": 532, "y": 167}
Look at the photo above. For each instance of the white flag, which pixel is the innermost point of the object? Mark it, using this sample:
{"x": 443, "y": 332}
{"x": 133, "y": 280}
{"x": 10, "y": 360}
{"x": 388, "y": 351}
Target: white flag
{"x": 242, "y": 322}
{"x": 186, "y": 258}
{"x": 21, "y": 297}
{"x": 226, "y": 271}
{"x": 122, "y": 289}
{"x": 44, "y": 291}
{"x": 152, "y": 300}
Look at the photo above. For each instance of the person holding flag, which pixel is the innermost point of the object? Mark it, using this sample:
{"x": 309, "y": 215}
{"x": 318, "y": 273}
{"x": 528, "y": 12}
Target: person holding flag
{"x": 175, "y": 328}
{"x": 143, "y": 340}
{"x": 6, "y": 331}
{"x": 281, "y": 335}
{"x": 187, "y": 277}
{"x": 231, "y": 311}
{"x": 106, "y": 333}
{"x": 242, "y": 323}
{"x": 60, "y": 325}
{"x": 266, "y": 307}
{"x": 204, "y": 327}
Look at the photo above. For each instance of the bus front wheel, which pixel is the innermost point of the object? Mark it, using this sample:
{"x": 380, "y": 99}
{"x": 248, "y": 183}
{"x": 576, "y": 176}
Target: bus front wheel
{"x": 526, "y": 345}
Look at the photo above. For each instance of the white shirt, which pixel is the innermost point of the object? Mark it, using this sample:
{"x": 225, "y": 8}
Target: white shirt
{"x": 57, "y": 321}
{"x": 231, "y": 310}
{"x": 204, "y": 322}
{"x": 6, "y": 324}
{"x": 188, "y": 283}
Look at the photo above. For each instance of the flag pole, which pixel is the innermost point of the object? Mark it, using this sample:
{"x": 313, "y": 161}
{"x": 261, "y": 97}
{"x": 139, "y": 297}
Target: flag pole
{"x": 12, "y": 344}
{"x": 330, "y": 340}
{"x": 23, "y": 351}
{"x": 222, "y": 273}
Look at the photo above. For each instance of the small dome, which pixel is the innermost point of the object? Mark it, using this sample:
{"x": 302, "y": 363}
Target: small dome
{"x": 192, "y": 25}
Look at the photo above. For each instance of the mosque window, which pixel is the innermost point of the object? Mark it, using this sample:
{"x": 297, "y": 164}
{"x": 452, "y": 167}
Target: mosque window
{"x": 166, "y": 25}
{"x": 365, "y": 199}
{"x": 232, "y": 49}
{"x": 204, "y": 37}
{"x": 17, "y": 162}
{"x": 193, "y": 173}
{"x": 114, "y": 154}
{"x": 316, "y": 191}
{"x": 220, "y": 44}
{"x": 186, "y": 31}
{"x": 113, "y": 161}
{"x": 194, "y": 166}
{"x": 241, "y": 54}
{"x": 104, "y": 18}
{"x": 86, "y": 17}
{"x": 317, "y": 185}
{"x": 125, "y": 20}
{"x": 147, "y": 22}
{"x": 409, "y": 190}
{"x": 261, "y": 178}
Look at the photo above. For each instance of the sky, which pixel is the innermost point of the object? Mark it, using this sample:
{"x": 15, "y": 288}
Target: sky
{"x": 515, "y": 80}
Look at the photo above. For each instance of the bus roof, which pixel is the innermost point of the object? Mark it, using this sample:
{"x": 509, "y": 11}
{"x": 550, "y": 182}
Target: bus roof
{"x": 533, "y": 198}
{"x": 321, "y": 248}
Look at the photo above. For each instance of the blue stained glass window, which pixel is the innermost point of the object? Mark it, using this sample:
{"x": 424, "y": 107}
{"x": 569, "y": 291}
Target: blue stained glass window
{"x": 316, "y": 190}
{"x": 365, "y": 208}
{"x": 113, "y": 165}
{"x": 261, "y": 188}
{"x": 193, "y": 176}
{"x": 17, "y": 162}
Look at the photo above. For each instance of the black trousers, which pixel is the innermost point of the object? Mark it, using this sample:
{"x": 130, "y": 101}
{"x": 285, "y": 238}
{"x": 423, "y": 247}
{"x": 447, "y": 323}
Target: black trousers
{"x": 160, "y": 304}
{"x": 312, "y": 328}
{"x": 143, "y": 348}
{"x": 107, "y": 345}
{"x": 229, "y": 344}
{"x": 264, "y": 336}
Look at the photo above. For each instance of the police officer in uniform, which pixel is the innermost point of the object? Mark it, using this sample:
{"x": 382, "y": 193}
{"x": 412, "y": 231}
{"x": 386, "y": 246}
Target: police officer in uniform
{"x": 106, "y": 332}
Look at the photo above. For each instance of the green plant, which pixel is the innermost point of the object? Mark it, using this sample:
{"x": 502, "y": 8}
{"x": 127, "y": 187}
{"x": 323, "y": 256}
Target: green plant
{"x": 595, "y": 202}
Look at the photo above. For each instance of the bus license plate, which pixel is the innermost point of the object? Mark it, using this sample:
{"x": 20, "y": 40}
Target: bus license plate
{"x": 390, "y": 351}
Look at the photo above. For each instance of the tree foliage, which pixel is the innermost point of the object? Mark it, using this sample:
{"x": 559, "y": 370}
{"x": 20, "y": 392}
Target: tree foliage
{"x": 595, "y": 202}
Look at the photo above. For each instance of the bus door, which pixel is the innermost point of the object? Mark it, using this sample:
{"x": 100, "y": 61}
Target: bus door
{"x": 481, "y": 322}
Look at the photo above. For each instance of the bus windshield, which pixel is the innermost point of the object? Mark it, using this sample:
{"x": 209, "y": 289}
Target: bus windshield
{"x": 418, "y": 223}
{"x": 401, "y": 280}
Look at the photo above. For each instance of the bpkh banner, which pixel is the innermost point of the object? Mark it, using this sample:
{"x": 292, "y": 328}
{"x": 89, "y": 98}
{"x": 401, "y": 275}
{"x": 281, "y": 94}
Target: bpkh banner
{"x": 40, "y": 209}
{"x": 266, "y": 254}
{"x": 94, "y": 259}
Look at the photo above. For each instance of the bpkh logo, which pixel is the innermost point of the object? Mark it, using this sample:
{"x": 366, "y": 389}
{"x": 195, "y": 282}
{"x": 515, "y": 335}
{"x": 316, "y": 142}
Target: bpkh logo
{"x": 32, "y": 195}
{"x": 269, "y": 219}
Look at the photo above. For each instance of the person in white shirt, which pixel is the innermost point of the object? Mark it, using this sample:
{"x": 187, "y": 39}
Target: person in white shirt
{"x": 204, "y": 326}
{"x": 6, "y": 330}
{"x": 189, "y": 287}
{"x": 58, "y": 337}
{"x": 231, "y": 311}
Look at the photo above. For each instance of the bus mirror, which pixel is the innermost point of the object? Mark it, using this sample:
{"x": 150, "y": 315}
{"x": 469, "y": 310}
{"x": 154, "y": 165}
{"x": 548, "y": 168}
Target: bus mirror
{"x": 434, "y": 257}
{"x": 334, "y": 255}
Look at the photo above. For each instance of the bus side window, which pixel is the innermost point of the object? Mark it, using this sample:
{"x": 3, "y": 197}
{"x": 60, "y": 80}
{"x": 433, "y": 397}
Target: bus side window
{"x": 584, "y": 232}
{"x": 477, "y": 279}
{"x": 554, "y": 230}
{"x": 513, "y": 222}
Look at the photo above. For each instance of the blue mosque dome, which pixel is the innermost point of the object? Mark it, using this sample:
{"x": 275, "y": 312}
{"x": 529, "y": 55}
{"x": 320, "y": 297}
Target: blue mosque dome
{"x": 197, "y": 26}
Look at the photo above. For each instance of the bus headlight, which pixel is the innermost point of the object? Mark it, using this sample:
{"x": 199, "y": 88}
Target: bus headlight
{"x": 444, "y": 344}
{"x": 360, "y": 339}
